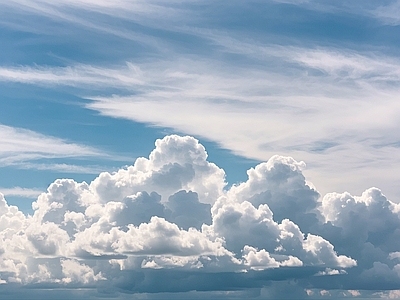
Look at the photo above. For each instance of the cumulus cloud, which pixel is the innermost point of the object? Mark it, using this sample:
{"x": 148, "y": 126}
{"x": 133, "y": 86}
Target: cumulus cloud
{"x": 171, "y": 216}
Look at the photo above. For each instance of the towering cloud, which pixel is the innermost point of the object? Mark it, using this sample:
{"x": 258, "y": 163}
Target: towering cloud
{"x": 171, "y": 216}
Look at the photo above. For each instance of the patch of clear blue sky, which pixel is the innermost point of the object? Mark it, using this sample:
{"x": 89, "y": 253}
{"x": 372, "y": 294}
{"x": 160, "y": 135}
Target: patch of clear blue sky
{"x": 59, "y": 112}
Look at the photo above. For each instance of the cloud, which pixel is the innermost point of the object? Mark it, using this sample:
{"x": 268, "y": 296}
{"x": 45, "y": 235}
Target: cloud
{"x": 26, "y": 149}
{"x": 62, "y": 167}
{"x": 267, "y": 103}
{"x": 149, "y": 14}
{"x": 278, "y": 117}
{"x": 169, "y": 223}
{"x": 71, "y": 76}
{"x": 258, "y": 111}
{"x": 388, "y": 14}
{"x": 30, "y": 143}
{"x": 126, "y": 229}
{"x": 29, "y": 150}
{"x": 22, "y": 192}
{"x": 75, "y": 272}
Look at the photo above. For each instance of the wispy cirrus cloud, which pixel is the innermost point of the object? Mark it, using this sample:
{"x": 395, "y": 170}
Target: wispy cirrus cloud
{"x": 104, "y": 17}
{"x": 24, "y": 147}
{"x": 60, "y": 167}
{"x": 257, "y": 110}
{"x": 267, "y": 103}
{"x": 18, "y": 140}
{"x": 388, "y": 14}
{"x": 79, "y": 76}
{"x": 258, "y": 78}
{"x": 21, "y": 192}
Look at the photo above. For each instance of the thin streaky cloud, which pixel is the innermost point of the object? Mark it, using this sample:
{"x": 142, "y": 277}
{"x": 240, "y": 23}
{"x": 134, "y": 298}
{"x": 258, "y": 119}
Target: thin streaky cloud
{"x": 315, "y": 81}
{"x": 21, "y": 192}
{"x": 385, "y": 12}
{"x": 24, "y": 141}
{"x": 26, "y": 149}
{"x": 388, "y": 14}
{"x": 138, "y": 12}
{"x": 368, "y": 69}
{"x": 71, "y": 76}
{"x": 278, "y": 108}
{"x": 61, "y": 167}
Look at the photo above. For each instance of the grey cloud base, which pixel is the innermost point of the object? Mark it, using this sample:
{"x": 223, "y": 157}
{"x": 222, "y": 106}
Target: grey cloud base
{"x": 169, "y": 224}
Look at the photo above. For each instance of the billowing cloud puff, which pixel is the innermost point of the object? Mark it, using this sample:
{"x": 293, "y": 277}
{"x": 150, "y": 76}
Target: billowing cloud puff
{"x": 280, "y": 183}
{"x": 175, "y": 164}
{"x": 171, "y": 216}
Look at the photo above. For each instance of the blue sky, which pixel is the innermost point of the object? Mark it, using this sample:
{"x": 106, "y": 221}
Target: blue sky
{"x": 88, "y": 87}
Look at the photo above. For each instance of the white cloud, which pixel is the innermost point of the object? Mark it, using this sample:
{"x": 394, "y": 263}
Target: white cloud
{"x": 354, "y": 293}
{"x": 169, "y": 213}
{"x": 388, "y": 14}
{"x": 331, "y": 272}
{"x": 258, "y": 111}
{"x": 362, "y": 217}
{"x": 175, "y": 164}
{"x": 268, "y": 106}
{"x": 325, "y": 293}
{"x": 61, "y": 167}
{"x": 258, "y": 260}
{"x": 278, "y": 117}
{"x": 72, "y": 76}
{"x": 22, "y": 192}
{"x": 27, "y": 142}
{"x": 25, "y": 148}
{"x": 154, "y": 14}
{"x": 129, "y": 222}
{"x": 73, "y": 271}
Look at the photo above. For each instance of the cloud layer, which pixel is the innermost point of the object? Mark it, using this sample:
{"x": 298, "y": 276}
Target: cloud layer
{"x": 171, "y": 216}
{"x": 316, "y": 81}
{"x": 247, "y": 90}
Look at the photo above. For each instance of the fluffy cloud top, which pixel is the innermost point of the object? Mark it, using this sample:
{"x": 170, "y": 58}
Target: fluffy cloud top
{"x": 171, "y": 216}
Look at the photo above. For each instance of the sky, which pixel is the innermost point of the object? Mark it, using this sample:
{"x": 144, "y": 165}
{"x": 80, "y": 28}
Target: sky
{"x": 199, "y": 149}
